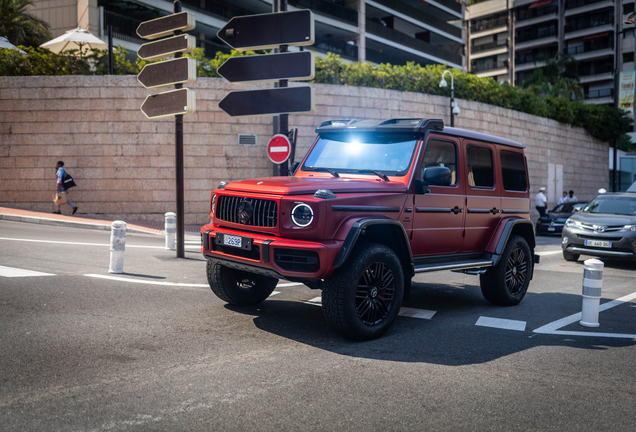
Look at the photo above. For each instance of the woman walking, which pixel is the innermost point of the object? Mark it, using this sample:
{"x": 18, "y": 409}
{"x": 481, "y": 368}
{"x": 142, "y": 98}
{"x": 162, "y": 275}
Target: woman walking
{"x": 60, "y": 173}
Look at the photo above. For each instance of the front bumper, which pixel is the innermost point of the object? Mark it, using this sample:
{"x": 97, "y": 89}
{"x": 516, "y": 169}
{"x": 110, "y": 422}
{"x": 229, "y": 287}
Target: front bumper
{"x": 623, "y": 244}
{"x": 269, "y": 255}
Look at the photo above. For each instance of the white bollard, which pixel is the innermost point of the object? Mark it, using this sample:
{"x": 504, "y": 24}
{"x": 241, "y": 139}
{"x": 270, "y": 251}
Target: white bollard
{"x": 171, "y": 230}
{"x": 117, "y": 246}
{"x": 592, "y": 284}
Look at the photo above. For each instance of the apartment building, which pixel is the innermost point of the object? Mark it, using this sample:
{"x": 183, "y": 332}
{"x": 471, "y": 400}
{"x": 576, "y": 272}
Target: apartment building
{"x": 379, "y": 31}
{"x": 508, "y": 39}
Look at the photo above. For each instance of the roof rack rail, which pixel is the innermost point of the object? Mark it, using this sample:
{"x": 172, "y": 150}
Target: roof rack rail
{"x": 395, "y": 124}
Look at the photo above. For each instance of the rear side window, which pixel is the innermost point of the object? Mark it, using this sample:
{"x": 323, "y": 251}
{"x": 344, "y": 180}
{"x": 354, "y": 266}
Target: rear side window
{"x": 480, "y": 167}
{"x": 513, "y": 171}
{"x": 441, "y": 154}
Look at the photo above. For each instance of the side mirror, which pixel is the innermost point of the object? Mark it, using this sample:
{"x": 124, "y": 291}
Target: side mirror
{"x": 577, "y": 209}
{"x": 437, "y": 176}
{"x": 295, "y": 166}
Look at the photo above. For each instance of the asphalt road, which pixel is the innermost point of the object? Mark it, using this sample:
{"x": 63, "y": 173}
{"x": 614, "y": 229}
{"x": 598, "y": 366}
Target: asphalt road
{"x": 156, "y": 350}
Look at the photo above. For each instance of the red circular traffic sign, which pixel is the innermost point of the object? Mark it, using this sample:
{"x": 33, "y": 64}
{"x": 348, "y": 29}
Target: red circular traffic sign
{"x": 279, "y": 149}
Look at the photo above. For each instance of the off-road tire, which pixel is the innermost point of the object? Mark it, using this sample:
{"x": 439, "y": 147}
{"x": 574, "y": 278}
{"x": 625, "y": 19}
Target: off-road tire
{"x": 506, "y": 283}
{"x": 569, "y": 256}
{"x": 363, "y": 297}
{"x": 238, "y": 287}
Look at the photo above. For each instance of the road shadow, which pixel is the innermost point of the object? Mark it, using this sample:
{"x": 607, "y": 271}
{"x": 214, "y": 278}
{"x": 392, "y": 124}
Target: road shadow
{"x": 450, "y": 338}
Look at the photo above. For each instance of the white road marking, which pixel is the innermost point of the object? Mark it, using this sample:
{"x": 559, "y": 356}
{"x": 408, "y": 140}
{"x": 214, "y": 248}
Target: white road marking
{"x": 87, "y": 244}
{"x": 289, "y": 284}
{"x": 147, "y": 282}
{"x": 417, "y": 313}
{"x": 501, "y": 323}
{"x": 274, "y": 293}
{"x": 16, "y": 272}
{"x": 553, "y": 327}
{"x": 554, "y": 252}
{"x": 317, "y": 301}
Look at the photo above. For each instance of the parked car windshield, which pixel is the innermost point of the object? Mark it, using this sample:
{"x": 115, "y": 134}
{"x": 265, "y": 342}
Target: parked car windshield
{"x": 350, "y": 152}
{"x": 624, "y": 205}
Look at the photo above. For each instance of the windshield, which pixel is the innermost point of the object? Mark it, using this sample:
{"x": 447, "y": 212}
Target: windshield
{"x": 387, "y": 153}
{"x": 623, "y": 205}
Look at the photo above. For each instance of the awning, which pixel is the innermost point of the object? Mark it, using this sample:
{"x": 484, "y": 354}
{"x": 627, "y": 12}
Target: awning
{"x": 540, "y": 3}
{"x": 597, "y": 35}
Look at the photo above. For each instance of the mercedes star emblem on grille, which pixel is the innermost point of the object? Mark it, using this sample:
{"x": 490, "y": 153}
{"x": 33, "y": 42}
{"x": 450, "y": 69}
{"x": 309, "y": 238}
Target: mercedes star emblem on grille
{"x": 245, "y": 211}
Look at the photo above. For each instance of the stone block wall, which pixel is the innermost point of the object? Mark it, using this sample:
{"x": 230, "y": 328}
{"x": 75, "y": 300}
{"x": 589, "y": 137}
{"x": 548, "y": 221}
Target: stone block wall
{"x": 124, "y": 163}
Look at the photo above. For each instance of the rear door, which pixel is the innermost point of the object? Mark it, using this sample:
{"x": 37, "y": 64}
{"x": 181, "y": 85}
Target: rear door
{"x": 438, "y": 216}
{"x": 483, "y": 202}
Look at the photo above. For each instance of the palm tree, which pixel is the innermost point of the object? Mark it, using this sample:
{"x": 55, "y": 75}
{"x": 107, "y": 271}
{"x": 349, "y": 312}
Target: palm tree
{"x": 20, "y": 26}
{"x": 558, "y": 78}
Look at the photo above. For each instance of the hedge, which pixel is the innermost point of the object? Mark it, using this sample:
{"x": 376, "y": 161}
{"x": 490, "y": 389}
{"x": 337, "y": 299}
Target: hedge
{"x": 603, "y": 122}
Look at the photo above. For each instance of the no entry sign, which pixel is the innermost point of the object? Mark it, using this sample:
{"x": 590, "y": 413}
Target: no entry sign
{"x": 278, "y": 149}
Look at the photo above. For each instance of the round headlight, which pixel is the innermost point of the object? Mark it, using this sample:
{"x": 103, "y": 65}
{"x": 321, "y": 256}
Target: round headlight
{"x": 212, "y": 205}
{"x": 302, "y": 215}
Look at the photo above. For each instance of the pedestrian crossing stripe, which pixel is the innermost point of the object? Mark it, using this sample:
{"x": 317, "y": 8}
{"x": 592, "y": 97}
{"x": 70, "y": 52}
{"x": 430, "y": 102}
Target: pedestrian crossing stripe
{"x": 11, "y": 272}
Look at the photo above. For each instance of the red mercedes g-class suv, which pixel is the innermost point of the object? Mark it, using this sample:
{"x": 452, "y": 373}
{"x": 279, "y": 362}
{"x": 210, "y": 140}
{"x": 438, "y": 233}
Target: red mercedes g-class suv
{"x": 371, "y": 204}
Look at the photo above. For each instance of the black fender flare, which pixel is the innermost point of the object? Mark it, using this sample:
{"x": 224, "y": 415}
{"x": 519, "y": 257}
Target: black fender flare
{"x": 510, "y": 226}
{"x": 359, "y": 228}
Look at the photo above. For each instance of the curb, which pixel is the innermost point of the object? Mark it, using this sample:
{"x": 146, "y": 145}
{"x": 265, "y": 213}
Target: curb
{"x": 72, "y": 224}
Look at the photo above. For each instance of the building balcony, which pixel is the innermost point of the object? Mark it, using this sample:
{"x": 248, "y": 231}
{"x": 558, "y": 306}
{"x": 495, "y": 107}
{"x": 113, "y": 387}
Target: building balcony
{"x": 332, "y": 10}
{"x": 413, "y": 45}
{"x": 535, "y": 42}
{"x": 343, "y": 49}
{"x": 492, "y": 72}
{"x": 537, "y": 20}
{"x": 124, "y": 28}
{"x": 216, "y": 8}
{"x": 529, "y": 66}
{"x": 597, "y": 77}
{"x": 481, "y": 26}
{"x": 574, "y": 7}
{"x": 417, "y": 17}
{"x": 588, "y": 31}
{"x": 451, "y": 6}
{"x": 486, "y": 67}
{"x": 486, "y": 50}
{"x": 589, "y": 54}
{"x": 599, "y": 94}
{"x": 599, "y": 101}
{"x": 374, "y": 56}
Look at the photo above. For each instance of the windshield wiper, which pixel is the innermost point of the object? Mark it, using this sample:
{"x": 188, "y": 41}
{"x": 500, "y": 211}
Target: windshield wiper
{"x": 333, "y": 173}
{"x": 378, "y": 173}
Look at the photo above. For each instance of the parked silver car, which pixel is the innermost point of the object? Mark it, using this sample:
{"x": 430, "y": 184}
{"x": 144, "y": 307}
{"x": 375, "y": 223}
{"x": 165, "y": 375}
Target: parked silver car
{"x": 605, "y": 227}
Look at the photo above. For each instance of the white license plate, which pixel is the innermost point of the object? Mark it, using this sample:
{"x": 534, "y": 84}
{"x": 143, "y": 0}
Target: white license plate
{"x": 550, "y": 229}
{"x": 230, "y": 240}
{"x": 598, "y": 243}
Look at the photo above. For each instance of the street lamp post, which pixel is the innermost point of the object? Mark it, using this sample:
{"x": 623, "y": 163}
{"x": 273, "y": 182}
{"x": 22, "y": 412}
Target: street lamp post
{"x": 454, "y": 109}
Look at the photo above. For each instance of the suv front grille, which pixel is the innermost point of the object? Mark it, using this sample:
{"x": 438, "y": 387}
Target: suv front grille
{"x": 265, "y": 211}
{"x": 297, "y": 260}
{"x": 254, "y": 254}
{"x": 590, "y": 227}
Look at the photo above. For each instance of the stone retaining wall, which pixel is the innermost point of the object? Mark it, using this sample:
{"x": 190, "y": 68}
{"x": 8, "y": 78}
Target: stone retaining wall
{"x": 123, "y": 163}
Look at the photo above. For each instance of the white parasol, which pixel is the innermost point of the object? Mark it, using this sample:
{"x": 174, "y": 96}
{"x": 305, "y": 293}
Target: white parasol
{"x": 76, "y": 39}
{"x": 4, "y": 43}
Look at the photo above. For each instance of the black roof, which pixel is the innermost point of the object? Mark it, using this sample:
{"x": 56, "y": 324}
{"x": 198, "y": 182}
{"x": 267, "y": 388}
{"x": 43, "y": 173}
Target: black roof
{"x": 409, "y": 125}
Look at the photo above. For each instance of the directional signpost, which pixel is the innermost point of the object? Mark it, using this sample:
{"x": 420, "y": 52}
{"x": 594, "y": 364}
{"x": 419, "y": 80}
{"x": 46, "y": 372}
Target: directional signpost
{"x": 273, "y": 30}
{"x": 175, "y": 72}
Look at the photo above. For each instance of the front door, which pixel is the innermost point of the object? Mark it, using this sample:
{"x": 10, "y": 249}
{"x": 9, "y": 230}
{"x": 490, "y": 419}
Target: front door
{"x": 483, "y": 200}
{"x": 438, "y": 215}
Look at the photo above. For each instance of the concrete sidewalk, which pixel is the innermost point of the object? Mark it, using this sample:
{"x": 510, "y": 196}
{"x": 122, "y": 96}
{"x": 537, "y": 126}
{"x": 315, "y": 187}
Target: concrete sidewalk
{"x": 85, "y": 221}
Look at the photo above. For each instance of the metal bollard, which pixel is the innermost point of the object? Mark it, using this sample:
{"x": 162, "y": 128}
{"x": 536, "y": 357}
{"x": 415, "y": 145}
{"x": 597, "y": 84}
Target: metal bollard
{"x": 592, "y": 284}
{"x": 171, "y": 230}
{"x": 117, "y": 246}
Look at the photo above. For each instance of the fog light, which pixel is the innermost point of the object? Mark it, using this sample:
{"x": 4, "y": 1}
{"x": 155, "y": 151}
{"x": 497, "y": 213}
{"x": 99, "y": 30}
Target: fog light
{"x": 564, "y": 240}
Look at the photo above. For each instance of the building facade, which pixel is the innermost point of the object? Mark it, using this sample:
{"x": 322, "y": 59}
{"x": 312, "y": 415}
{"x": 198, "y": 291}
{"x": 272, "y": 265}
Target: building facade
{"x": 508, "y": 39}
{"x": 379, "y": 31}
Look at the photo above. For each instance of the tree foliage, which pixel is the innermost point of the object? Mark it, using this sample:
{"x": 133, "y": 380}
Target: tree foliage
{"x": 20, "y": 26}
{"x": 558, "y": 78}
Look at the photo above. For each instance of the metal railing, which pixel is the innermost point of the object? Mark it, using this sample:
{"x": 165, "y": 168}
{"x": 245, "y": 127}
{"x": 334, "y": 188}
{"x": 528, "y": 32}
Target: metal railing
{"x": 573, "y": 4}
{"x": 589, "y": 21}
{"x": 422, "y": 17}
{"x": 487, "y": 47}
{"x": 483, "y": 67}
{"x": 408, "y": 41}
{"x": 124, "y": 28}
{"x": 585, "y": 49}
{"x": 587, "y": 69}
{"x": 526, "y": 14}
{"x": 336, "y": 46}
{"x": 477, "y": 26}
{"x": 534, "y": 57}
{"x": 597, "y": 94}
{"x": 378, "y": 57}
{"x": 336, "y": 11}
{"x": 536, "y": 33}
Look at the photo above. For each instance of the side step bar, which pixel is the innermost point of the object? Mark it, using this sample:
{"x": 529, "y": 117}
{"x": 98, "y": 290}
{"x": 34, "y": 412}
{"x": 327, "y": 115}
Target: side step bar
{"x": 458, "y": 265}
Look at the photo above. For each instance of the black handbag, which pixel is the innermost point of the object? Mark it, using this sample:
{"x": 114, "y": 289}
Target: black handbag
{"x": 67, "y": 181}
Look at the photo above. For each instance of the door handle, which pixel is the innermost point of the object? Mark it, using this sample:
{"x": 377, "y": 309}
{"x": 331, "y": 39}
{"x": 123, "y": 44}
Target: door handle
{"x": 495, "y": 210}
{"x": 457, "y": 210}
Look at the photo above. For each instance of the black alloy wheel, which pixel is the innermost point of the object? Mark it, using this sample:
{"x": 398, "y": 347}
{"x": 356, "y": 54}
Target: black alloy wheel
{"x": 507, "y": 283}
{"x": 516, "y": 271}
{"x": 375, "y": 293}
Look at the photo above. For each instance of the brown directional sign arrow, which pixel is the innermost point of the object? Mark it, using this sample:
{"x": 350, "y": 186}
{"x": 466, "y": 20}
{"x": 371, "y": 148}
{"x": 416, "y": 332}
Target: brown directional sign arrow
{"x": 170, "y": 72}
{"x": 170, "y": 103}
{"x": 167, "y": 47}
{"x": 269, "y": 30}
{"x": 164, "y": 26}
{"x": 274, "y": 101}
{"x": 269, "y": 67}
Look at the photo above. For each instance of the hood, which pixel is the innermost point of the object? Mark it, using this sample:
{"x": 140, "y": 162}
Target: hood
{"x": 604, "y": 218}
{"x": 305, "y": 185}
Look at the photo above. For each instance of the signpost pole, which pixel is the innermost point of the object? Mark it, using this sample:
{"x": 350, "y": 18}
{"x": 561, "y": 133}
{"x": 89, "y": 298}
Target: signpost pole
{"x": 178, "y": 128}
{"x": 284, "y": 118}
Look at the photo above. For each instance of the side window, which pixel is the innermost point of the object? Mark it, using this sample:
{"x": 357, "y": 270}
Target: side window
{"x": 513, "y": 171}
{"x": 480, "y": 167}
{"x": 441, "y": 154}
